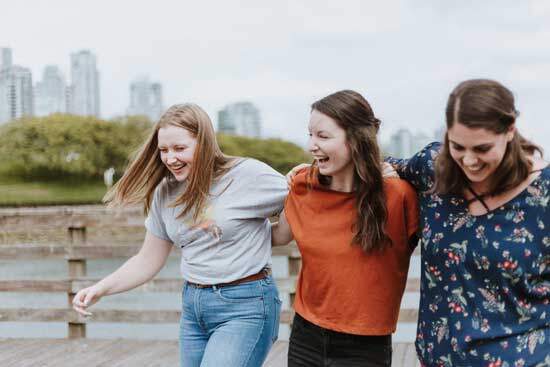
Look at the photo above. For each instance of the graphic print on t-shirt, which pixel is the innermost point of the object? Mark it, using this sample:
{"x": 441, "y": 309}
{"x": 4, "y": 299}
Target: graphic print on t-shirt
{"x": 204, "y": 226}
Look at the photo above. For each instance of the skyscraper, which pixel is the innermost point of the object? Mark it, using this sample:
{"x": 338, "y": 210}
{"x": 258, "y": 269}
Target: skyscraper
{"x": 403, "y": 144}
{"x": 16, "y": 94}
{"x": 84, "y": 89}
{"x": 145, "y": 99}
{"x": 50, "y": 93}
{"x": 241, "y": 118}
{"x": 5, "y": 58}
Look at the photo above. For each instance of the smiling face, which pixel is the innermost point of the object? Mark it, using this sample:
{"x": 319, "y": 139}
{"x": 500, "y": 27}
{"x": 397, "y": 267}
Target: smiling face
{"x": 328, "y": 145}
{"x": 177, "y": 148}
{"x": 478, "y": 152}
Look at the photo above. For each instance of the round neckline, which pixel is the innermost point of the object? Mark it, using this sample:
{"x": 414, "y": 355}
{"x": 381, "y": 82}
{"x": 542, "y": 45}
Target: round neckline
{"x": 328, "y": 189}
{"x": 513, "y": 199}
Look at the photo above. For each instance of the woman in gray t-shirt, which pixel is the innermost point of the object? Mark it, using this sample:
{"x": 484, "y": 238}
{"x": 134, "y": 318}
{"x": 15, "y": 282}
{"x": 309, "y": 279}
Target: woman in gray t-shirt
{"x": 215, "y": 209}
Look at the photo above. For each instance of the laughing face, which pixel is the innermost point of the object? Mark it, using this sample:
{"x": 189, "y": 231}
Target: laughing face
{"x": 478, "y": 152}
{"x": 177, "y": 147}
{"x": 328, "y": 145}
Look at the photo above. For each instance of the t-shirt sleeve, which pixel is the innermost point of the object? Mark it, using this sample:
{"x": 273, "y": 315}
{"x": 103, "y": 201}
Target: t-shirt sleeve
{"x": 419, "y": 169}
{"x": 154, "y": 222}
{"x": 266, "y": 191}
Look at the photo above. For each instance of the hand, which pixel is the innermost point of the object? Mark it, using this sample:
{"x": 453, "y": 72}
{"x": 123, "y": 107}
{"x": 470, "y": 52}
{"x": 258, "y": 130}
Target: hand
{"x": 85, "y": 298}
{"x": 293, "y": 172}
{"x": 388, "y": 171}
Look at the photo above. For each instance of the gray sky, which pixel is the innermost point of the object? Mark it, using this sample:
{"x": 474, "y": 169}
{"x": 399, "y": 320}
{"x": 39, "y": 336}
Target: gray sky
{"x": 404, "y": 56}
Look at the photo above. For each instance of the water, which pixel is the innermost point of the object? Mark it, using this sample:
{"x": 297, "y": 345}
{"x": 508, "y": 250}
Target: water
{"x": 133, "y": 300}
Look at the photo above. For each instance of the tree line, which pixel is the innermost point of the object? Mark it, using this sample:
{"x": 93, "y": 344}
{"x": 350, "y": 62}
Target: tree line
{"x": 63, "y": 146}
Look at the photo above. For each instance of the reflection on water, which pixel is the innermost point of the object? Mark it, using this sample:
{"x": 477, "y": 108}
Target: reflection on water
{"x": 57, "y": 269}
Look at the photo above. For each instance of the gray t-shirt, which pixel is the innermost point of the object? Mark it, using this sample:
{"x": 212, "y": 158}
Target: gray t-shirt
{"x": 232, "y": 238}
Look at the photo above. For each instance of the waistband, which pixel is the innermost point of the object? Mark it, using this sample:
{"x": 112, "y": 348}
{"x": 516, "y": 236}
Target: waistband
{"x": 371, "y": 339}
{"x": 262, "y": 274}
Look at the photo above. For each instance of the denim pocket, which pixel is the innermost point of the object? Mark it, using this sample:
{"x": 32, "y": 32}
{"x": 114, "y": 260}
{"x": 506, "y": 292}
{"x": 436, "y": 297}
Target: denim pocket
{"x": 245, "y": 292}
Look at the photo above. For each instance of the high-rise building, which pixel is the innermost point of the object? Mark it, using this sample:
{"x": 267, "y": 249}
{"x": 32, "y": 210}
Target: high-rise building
{"x": 5, "y": 58}
{"x": 50, "y": 93}
{"x": 16, "y": 93}
{"x": 145, "y": 99}
{"x": 241, "y": 118}
{"x": 403, "y": 144}
{"x": 84, "y": 90}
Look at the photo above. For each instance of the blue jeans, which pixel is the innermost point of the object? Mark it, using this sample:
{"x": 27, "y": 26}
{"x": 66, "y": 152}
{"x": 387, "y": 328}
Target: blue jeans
{"x": 231, "y": 326}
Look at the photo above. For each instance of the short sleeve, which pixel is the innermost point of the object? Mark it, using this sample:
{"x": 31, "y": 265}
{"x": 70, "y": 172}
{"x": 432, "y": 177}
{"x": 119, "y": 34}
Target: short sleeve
{"x": 418, "y": 170}
{"x": 265, "y": 191}
{"x": 154, "y": 223}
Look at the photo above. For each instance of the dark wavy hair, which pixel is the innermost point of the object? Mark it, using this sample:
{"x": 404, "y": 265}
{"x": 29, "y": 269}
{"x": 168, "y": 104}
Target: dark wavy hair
{"x": 487, "y": 104}
{"x": 353, "y": 113}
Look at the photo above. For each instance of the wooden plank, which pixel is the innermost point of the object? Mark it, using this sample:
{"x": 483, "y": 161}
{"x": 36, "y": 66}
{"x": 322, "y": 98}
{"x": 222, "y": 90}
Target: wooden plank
{"x": 290, "y": 251}
{"x": 130, "y": 353}
{"x": 277, "y": 356}
{"x": 55, "y": 251}
{"x": 413, "y": 285}
{"x": 285, "y": 285}
{"x": 131, "y": 316}
{"x": 97, "y": 353}
{"x": 35, "y": 286}
{"x": 92, "y": 251}
{"x": 173, "y": 285}
{"x": 404, "y": 354}
{"x": 16, "y": 219}
{"x": 30, "y": 251}
{"x": 99, "y": 315}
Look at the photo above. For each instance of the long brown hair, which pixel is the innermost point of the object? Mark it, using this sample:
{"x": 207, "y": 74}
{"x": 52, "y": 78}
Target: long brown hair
{"x": 487, "y": 104}
{"x": 146, "y": 170}
{"x": 353, "y": 113}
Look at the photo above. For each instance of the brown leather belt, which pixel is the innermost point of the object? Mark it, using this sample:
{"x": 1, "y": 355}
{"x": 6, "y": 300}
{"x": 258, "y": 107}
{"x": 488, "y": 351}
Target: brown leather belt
{"x": 264, "y": 273}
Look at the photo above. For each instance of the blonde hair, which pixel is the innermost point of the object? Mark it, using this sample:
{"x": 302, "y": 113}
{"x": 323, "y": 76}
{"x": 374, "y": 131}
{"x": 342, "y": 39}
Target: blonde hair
{"x": 146, "y": 170}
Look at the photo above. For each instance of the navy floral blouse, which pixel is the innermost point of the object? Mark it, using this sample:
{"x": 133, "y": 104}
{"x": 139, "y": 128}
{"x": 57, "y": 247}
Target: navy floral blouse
{"x": 485, "y": 281}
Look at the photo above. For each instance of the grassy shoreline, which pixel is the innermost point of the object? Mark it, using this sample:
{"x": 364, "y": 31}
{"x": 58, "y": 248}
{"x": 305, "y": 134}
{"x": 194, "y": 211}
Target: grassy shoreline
{"x": 15, "y": 193}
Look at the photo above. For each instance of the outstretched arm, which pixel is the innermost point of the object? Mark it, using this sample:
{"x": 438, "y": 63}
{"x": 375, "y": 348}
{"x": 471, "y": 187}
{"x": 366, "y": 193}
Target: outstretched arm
{"x": 137, "y": 270}
{"x": 280, "y": 232}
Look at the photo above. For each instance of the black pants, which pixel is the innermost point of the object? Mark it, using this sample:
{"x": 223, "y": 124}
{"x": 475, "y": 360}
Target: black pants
{"x": 313, "y": 346}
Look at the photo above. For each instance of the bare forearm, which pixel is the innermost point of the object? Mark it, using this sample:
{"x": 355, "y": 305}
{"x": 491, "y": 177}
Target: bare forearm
{"x": 280, "y": 234}
{"x": 139, "y": 268}
{"x": 133, "y": 273}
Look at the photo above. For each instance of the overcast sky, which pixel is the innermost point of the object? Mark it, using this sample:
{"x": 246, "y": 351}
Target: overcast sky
{"x": 404, "y": 56}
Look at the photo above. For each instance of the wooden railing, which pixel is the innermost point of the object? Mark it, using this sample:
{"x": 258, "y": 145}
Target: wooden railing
{"x": 78, "y": 251}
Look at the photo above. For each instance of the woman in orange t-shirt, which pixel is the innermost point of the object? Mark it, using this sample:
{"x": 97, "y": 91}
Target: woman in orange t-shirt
{"x": 356, "y": 232}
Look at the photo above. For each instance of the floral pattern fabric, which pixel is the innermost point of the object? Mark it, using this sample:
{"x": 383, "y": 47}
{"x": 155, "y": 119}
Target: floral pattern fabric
{"x": 485, "y": 280}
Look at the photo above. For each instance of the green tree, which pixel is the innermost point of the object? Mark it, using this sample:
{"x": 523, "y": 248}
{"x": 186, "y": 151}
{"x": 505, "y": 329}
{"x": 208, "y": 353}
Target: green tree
{"x": 279, "y": 154}
{"x": 60, "y": 146}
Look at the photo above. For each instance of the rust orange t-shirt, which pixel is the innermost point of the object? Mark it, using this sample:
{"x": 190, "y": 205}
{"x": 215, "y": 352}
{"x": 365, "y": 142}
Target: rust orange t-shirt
{"x": 340, "y": 287}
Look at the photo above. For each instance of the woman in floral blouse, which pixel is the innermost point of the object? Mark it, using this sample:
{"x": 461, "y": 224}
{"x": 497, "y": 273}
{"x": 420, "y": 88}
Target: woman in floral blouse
{"x": 484, "y": 196}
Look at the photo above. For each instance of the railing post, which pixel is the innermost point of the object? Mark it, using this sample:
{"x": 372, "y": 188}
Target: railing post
{"x": 77, "y": 269}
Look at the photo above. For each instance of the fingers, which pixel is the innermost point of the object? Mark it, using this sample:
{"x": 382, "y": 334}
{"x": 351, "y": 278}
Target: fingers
{"x": 82, "y": 300}
{"x": 388, "y": 171}
{"x": 293, "y": 172}
{"x": 89, "y": 297}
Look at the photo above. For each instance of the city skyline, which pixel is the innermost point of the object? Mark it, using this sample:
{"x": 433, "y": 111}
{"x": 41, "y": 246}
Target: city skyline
{"x": 240, "y": 118}
{"x": 404, "y": 57}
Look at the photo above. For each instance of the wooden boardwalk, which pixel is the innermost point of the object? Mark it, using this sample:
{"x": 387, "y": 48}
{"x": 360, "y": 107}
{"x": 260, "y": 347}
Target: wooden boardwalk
{"x": 79, "y": 234}
{"x": 131, "y": 353}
